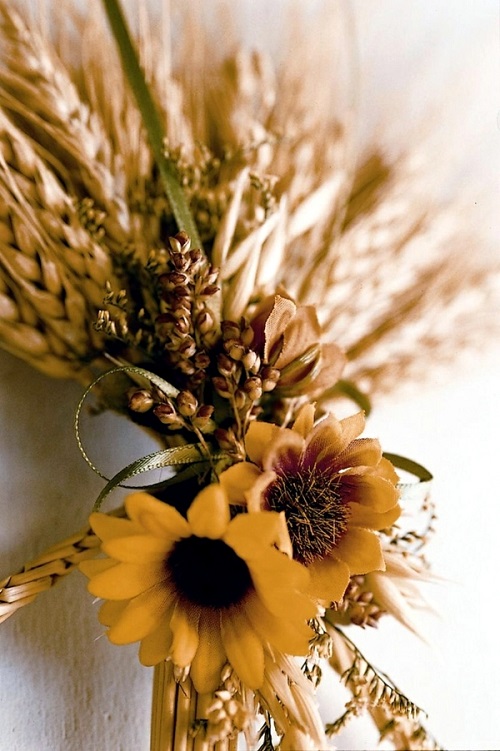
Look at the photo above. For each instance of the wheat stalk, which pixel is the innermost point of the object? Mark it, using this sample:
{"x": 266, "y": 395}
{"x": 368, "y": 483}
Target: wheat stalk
{"x": 45, "y": 571}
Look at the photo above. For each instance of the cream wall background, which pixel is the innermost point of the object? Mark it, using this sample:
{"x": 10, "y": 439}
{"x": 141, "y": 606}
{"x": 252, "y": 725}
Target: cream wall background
{"x": 63, "y": 688}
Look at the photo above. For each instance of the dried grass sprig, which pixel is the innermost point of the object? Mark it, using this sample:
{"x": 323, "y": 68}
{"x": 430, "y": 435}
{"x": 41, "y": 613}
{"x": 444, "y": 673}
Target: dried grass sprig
{"x": 46, "y": 570}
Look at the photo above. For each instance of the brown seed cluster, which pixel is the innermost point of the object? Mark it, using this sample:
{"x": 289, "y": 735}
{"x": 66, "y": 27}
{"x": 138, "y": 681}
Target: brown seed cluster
{"x": 186, "y": 324}
{"x": 358, "y": 605}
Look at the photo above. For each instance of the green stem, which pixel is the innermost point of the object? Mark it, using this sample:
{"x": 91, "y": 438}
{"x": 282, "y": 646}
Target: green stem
{"x": 151, "y": 119}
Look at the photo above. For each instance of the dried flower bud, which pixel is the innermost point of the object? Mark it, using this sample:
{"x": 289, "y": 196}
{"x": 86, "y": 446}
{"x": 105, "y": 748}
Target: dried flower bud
{"x": 247, "y": 335}
{"x": 180, "y": 261}
{"x": 167, "y": 414}
{"x": 202, "y": 360}
{"x": 202, "y": 420}
{"x": 140, "y": 400}
{"x": 240, "y": 399}
{"x": 235, "y": 350}
{"x": 222, "y": 386}
{"x": 188, "y": 347}
{"x": 180, "y": 243}
{"x": 204, "y": 322}
{"x": 225, "y": 365}
{"x": 187, "y": 403}
{"x": 253, "y": 387}
{"x": 251, "y": 361}
{"x": 230, "y": 330}
{"x": 270, "y": 377}
{"x": 226, "y": 439}
{"x": 182, "y": 325}
{"x": 209, "y": 290}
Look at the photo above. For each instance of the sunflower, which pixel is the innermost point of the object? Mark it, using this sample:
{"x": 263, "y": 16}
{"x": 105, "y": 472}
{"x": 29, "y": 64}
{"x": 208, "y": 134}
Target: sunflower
{"x": 334, "y": 488}
{"x": 203, "y": 590}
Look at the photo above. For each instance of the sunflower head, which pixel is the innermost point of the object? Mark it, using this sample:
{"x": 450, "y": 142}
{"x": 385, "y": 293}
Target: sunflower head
{"x": 203, "y": 591}
{"x": 335, "y": 490}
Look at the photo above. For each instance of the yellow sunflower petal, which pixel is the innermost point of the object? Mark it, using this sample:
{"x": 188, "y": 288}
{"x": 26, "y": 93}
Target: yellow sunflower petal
{"x": 352, "y": 426}
{"x": 125, "y": 580}
{"x": 368, "y": 490}
{"x": 111, "y": 611}
{"x": 305, "y": 420}
{"x": 257, "y": 439}
{"x": 210, "y": 656}
{"x": 155, "y": 647}
{"x": 108, "y": 527}
{"x": 361, "y": 516}
{"x": 325, "y": 438}
{"x": 244, "y": 649}
{"x": 184, "y": 626}
{"x": 281, "y": 584}
{"x": 247, "y": 534}
{"x": 361, "y": 550}
{"x": 237, "y": 480}
{"x": 97, "y": 566}
{"x": 143, "y": 615}
{"x": 329, "y": 579}
{"x": 361, "y": 452}
{"x": 208, "y": 515}
{"x": 289, "y": 636}
{"x": 156, "y": 517}
{"x": 138, "y": 549}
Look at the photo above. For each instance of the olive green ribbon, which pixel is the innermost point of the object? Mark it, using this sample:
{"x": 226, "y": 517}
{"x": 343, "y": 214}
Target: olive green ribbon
{"x": 151, "y": 119}
{"x": 422, "y": 474}
{"x": 190, "y": 454}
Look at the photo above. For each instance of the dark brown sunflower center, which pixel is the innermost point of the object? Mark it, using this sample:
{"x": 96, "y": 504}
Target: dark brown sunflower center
{"x": 208, "y": 572}
{"x": 315, "y": 513}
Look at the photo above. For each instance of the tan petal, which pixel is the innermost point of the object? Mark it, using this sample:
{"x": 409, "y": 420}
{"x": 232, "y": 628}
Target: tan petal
{"x": 305, "y": 420}
{"x": 258, "y": 438}
{"x": 282, "y": 313}
{"x": 361, "y": 516}
{"x": 368, "y": 490}
{"x": 255, "y": 496}
{"x": 332, "y": 364}
{"x": 156, "y": 517}
{"x": 237, "y": 480}
{"x": 361, "y": 550}
{"x": 143, "y": 615}
{"x": 184, "y": 626}
{"x": 243, "y": 648}
{"x": 283, "y": 455}
{"x": 210, "y": 656}
{"x": 323, "y": 443}
{"x": 329, "y": 579}
{"x": 302, "y": 331}
{"x": 361, "y": 452}
{"x": 208, "y": 515}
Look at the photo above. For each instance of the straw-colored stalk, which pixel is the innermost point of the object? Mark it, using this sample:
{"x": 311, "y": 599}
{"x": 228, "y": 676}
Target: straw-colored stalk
{"x": 176, "y": 710}
{"x": 46, "y": 570}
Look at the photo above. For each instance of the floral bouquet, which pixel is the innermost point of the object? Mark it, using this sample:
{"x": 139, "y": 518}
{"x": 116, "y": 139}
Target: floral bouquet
{"x": 202, "y": 247}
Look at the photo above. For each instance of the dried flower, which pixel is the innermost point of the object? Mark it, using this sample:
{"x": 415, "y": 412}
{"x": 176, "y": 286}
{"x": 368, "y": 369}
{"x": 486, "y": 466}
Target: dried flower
{"x": 288, "y": 339}
{"x": 335, "y": 490}
{"x": 201, "y": 591}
